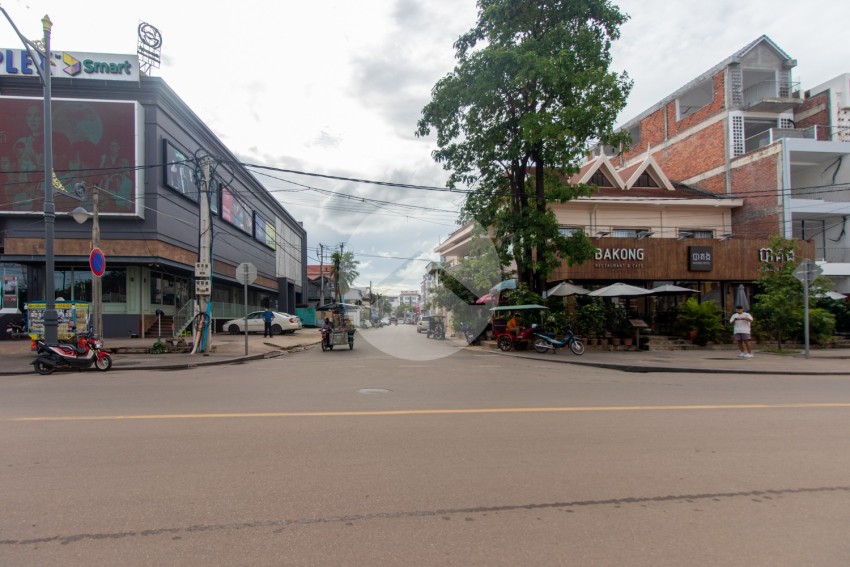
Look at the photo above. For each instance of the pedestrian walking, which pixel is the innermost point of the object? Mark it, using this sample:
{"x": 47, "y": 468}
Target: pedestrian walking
{"x": 267, "y": 322}
{"x": 742, "y": 327}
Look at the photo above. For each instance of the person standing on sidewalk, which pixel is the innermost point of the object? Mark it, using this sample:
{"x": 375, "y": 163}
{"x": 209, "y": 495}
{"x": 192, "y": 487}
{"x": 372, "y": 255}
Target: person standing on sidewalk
{"x": 742, "y": 327}
{"x": 267, "y": 322}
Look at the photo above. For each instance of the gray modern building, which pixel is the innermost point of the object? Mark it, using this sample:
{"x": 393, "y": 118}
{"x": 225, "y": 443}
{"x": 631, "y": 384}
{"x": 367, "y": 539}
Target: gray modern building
{"x": 133, "y": 137}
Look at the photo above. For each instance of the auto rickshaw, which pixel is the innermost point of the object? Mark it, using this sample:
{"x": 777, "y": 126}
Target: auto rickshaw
{"x": 436, "y": 327}
{"x": 524, "y": 338}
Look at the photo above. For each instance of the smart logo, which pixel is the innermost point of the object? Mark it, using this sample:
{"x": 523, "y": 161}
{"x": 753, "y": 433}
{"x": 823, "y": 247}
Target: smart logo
{"x": 74, "y": 66}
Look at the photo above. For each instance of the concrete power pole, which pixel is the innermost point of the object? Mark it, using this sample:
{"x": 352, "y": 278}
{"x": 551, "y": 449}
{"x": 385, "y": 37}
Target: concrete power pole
{"x": 203, "y": 271}
{"x": 321, "y": 274}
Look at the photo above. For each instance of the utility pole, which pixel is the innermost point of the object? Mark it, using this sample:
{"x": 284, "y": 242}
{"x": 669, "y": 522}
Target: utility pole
{"x": 203, "y": 271}
{"x": 97, "y": 284}
{"x": 322, "y": 274}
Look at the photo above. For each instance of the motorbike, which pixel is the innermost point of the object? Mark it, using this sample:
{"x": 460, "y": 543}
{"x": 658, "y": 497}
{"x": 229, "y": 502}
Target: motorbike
{"x": 544, "y": 342}
{"x": 85, "y": 351}
{"x": 16, "y": 330}
{"x": 436, "y": 328}
{"x": 472, "y": 338}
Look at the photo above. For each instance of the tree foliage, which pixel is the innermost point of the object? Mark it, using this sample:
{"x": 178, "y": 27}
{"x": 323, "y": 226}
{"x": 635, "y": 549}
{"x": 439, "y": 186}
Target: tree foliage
{"x": 778, "y": 309}
{"x": 531, "y": 90}
{"x": 344, "y": 272}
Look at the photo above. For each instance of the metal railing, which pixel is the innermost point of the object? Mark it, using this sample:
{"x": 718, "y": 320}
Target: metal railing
{"x": 767, "y": 90}
{"x": 771, "y": 135}
{"x": 183, "y": 318}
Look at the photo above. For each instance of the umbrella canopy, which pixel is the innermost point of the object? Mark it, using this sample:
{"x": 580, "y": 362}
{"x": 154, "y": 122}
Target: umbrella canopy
{"x": 741, "y": 298}
{"x": 517, "y": 307}
{"x": 668, "y": 288}
{"x": 836, "y": 295}
{"x": 619, "y": 290}
{"x": 487, "y": 298}
{"x": 501, "y": 286}
{"x": 563, "y": 289}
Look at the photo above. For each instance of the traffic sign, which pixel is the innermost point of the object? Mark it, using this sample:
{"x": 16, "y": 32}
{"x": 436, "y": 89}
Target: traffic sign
{"x": 246, "y": 273}
{"x": 97, "y": 262}
{"x": 807, "y": 271}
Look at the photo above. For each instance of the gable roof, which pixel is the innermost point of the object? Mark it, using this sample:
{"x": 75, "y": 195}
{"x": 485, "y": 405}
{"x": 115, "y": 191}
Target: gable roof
{"x": 734, "y": 58}
{"x": 315, "y": 270}
{"x": 598, "y": 164}
{"x": 632, "y": 173}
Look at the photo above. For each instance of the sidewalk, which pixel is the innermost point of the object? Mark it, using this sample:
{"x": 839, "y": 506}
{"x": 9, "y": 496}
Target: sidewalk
{"x": 230, "y": 349}
{"x": 226, "y": 349}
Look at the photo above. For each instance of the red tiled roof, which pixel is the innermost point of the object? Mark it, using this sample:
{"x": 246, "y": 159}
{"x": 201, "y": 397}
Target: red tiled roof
{"x": 315, "y": 270}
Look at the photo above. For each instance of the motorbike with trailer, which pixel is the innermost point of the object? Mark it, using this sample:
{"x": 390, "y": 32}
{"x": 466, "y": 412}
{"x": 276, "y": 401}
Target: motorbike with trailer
{"x": 83, "y": 352}
{"x": 524, "y": 337}
{"x": 436, "y": 328}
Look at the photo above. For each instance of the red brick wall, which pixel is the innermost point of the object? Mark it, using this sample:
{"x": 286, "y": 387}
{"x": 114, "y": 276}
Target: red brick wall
{"x": 820, "y": 118}
{"x": 757, "y": 184}
{"x": 696, "y": 154}
{"x": 653, "y": 130}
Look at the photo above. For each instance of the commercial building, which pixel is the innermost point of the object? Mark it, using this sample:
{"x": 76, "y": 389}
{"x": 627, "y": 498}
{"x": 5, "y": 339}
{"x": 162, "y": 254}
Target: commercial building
{"x": 132, "y": 136}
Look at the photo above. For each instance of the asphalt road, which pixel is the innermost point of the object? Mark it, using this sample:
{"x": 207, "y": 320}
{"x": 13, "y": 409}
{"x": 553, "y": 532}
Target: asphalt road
{"x": 409, "y": 451}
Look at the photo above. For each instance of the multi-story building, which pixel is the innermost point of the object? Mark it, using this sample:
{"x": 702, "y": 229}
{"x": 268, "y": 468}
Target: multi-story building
{"x": 746, "y": 129}
{"x": 132, "y": 135}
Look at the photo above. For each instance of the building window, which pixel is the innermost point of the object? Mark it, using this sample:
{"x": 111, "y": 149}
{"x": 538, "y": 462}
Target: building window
{"x": 600, "y": 180}
{"x": 114, "y": 286}
{"x": 634, "y": 134}
{"x": 695, "y": 233}
{"x": 695, "y": 98}
{"x": 645, "y": 180}
{"x": 569, "y": 230}
{"x": 624, "y": 233}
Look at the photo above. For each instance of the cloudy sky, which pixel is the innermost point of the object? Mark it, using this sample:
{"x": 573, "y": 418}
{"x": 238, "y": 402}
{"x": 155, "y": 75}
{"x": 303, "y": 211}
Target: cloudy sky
{"x": 335, "y": 87}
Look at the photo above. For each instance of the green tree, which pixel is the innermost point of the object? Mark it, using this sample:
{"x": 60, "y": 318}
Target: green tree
{"x": 531, "y": 91}
{"x": 778, "y": 309}
{"x": 344, "y": 272}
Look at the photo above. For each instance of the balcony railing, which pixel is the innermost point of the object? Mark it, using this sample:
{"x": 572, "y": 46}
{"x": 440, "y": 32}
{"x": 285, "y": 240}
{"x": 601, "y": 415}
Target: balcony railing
{"x": 769, "y": 136}
{"x": 769, "y": 90}
{"x": 833, "y": 254}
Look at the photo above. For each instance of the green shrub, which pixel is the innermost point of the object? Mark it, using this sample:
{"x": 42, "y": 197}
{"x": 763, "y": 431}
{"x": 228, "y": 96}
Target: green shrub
{"x": 703, "y": 318}
{"x": 821, "y": 325}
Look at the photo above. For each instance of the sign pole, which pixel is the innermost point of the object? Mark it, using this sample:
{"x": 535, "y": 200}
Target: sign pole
{"x": 806, "y": 283}
{"x": 245, "y": 299}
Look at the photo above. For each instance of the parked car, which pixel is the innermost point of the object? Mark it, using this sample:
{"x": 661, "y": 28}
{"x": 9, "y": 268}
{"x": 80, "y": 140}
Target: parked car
{"x": 281, "y": 323}
{"x": 422, "y": 325}
{"x": 385, "y": 321}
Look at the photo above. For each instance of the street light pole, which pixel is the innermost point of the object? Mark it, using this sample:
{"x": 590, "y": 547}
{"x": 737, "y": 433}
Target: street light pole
{"x": 51, "y": 319}
{"x": 81, "y": 215}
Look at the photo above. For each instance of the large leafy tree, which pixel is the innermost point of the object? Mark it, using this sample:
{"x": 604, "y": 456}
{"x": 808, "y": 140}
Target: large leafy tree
{"x": 344, "y": 272}
{"x": 530, "y": 92}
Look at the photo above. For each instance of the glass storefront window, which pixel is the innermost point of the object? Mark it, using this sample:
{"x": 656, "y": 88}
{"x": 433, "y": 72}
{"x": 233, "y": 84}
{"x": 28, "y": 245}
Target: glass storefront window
{"x": 114, "y": 286}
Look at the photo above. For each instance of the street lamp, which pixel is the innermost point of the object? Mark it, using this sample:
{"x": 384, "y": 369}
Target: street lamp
{"x": 51, "y": 319}
{"x": 81, "y": 215}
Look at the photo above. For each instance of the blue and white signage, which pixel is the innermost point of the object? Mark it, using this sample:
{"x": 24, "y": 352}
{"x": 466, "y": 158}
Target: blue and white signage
{"x": 72, "y": 65}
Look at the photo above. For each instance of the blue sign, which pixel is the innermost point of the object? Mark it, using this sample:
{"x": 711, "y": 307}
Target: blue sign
{"x": 97, "y": 262}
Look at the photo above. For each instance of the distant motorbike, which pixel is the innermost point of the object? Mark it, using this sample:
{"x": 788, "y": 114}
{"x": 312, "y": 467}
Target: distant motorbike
{"x": 472, "y": 338}
{"x": 544, "y": 342}
{"x": 16, "y": 330}
{"x": 85, "y": 351}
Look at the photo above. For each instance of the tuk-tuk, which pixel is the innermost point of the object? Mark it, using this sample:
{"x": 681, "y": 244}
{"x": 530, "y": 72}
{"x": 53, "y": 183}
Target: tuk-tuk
{"x": 436, "y": 327}
{"x": 506, "y": 340}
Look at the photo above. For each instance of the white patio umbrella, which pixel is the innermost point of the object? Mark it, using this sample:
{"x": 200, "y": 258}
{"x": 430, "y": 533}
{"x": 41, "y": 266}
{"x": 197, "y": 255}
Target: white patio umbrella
{"x": 619, "y": 290}
{"x": 507, "y": 284}
{"x": 564, "y": 289}
{"x": 670, "y": 288}
{"x": 838, "y": 296}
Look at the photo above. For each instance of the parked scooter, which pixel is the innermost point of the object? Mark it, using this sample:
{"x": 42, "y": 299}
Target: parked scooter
{"x": 544, "y": 342}
{"x": 16, "y": 330}
{"x": 85, "y": 351}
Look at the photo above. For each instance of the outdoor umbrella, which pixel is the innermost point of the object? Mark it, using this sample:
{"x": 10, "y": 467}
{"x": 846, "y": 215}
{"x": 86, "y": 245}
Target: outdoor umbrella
{"x": 619, "y": 290}
{"x": 741, "y": 298}
{"x": 669, "y": 288}
{"x": 486, "y": 298}
{"x": 838, "y": 296}
{"x": 563, "y": 289}
{"x": 501, "y": 286}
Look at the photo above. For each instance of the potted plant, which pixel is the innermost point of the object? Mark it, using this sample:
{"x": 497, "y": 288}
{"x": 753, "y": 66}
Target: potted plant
{"x": 590, "y": 319}
{"x": 702, "y": 321}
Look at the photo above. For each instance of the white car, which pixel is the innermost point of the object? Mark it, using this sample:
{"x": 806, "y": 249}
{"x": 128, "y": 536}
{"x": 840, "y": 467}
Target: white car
{"x": 281, "y": 323}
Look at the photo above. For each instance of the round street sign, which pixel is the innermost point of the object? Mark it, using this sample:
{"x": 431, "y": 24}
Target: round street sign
{"x": 246, "y": 273}
{"x": 97, "y": 262}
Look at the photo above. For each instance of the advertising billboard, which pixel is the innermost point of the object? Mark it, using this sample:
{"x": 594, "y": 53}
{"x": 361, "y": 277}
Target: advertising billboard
{"x": 264, "y": 231}
{"x": 233, "y": 211}
{"x": 93, "y": 141}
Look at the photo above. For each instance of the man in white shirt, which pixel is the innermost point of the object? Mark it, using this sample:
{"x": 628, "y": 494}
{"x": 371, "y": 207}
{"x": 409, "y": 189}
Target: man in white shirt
{"x": 742, "y": 327}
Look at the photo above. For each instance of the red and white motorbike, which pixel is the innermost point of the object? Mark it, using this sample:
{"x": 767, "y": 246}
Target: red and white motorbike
{"x": 85, "y": 351}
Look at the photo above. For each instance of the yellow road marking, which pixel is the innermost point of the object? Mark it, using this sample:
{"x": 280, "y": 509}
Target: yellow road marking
{"x": 469, "y": 411}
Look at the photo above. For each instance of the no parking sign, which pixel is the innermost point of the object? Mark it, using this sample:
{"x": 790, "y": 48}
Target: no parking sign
{"x": 97, "y": 262}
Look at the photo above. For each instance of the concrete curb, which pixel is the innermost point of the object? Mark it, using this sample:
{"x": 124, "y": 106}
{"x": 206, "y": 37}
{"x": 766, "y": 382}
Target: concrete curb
{"x": 634, "y": 368}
